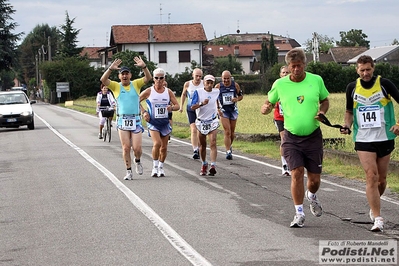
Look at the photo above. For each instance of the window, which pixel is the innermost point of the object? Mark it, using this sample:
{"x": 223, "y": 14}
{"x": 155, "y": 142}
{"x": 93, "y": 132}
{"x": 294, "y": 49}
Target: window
{"x": 141, "y": 53}
{"x": 162, "y": 57}
{"x": 184, "y": 57}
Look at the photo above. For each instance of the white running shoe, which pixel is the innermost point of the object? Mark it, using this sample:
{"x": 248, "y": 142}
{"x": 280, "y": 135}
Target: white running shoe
{"x": 154, "y": 172}
{"x": 139, "y": 168}
{"x": 161, "y": 172}
{"x": 298, "y": 221}
{"x": 378, "y": 225}
{"x": 315, "y": 205}
{"x": 129, "y": 175}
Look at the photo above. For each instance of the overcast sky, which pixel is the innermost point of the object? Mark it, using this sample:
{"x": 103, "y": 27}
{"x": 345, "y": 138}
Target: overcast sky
{"x": 378, "y": 19}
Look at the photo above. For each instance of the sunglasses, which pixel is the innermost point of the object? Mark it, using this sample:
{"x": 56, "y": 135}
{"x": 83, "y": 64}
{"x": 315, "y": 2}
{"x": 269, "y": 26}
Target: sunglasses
{"x": 158, "y": 78}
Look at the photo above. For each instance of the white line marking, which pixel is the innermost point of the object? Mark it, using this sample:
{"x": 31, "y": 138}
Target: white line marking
{"x": 171, "y": 235}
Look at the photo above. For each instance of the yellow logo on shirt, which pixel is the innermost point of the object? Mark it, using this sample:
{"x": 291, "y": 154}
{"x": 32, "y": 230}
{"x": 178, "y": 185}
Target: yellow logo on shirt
{"x": 300, "y": 99}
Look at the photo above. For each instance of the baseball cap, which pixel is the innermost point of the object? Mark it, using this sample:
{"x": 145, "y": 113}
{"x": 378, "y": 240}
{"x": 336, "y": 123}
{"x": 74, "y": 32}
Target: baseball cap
{"x": 124, "y": 69}
{"x": 209, "y": 77}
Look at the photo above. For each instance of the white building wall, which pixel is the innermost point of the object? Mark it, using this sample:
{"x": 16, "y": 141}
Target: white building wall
{"x": 151, "y": 51}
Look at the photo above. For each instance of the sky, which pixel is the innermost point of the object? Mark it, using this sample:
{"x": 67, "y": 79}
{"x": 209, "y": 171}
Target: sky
{"x": 295, "y": 19}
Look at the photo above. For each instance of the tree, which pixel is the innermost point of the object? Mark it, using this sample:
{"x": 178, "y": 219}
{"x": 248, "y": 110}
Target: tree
{"x": 8, "y": 40}
{"x": 264, "y": 57}
{"x": 273, "y": 54}
{"x": 353, "y": 38}
{"x": 229, "y": 63}
{"x": 37, "y": 41}
{"x": 395, "y": 42}
{"x": 325, "y": 43}
{"x": 68, "y": 39}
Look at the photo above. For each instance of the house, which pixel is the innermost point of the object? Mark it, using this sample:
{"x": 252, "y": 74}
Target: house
{"x": 246, "y": 48}
{"x": 171, "y": 46}
{"x": 341, "y": 55}
{"x": 94, "y": 55}
{"x": 381, "y": 54}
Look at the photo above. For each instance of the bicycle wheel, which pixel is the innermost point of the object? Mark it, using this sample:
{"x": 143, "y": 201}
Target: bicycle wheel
{"x": 109, "y": 130}
{"x": 105, "y": 131}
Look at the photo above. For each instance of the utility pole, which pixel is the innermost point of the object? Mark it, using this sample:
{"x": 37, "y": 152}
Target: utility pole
{"x": 315, "y": 48}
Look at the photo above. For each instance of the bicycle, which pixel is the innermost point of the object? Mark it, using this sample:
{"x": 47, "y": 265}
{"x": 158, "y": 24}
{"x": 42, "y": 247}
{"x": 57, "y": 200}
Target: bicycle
{"x": 107, "y": 112}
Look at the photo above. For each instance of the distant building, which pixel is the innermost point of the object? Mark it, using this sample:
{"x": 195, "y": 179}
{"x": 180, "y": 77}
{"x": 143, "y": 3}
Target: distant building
{"x": 246, "y": 48}
{"x": 94, "y": 55}
{"x": 382, "y": 54}
{"x": 171, "y": 46}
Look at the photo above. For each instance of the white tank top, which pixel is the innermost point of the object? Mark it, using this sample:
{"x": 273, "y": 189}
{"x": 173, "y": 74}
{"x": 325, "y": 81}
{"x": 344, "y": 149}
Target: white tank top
{"x": 190, "y": 91}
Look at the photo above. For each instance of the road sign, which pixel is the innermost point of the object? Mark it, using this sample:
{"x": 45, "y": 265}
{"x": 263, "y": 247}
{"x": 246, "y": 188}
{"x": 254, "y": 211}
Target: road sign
{"x": 62, "y": 86}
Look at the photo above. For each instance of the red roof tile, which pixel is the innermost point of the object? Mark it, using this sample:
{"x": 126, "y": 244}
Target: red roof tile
{"x": 161, "y": 33}
{"x": 92, "y": 52}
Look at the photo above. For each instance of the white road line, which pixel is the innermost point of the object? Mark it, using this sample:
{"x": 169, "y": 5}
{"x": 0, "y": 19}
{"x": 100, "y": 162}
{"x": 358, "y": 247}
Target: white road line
{"x": 171, "y": 235}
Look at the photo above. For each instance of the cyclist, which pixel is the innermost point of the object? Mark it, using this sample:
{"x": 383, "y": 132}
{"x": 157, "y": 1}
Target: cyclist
{"x": 104, "y": 99}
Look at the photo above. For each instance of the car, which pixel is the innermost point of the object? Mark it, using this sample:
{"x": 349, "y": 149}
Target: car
{"x": 20, "y": 89}
{"x": 16, "y": 110}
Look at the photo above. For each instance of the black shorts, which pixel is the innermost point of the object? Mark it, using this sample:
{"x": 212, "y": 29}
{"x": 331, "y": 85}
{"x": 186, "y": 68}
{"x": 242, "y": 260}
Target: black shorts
{"x": 279, "y": 125}
{"x": 306, "y": 151}
{"x": 191, "y": 115}
{"x": 381, "y": 148}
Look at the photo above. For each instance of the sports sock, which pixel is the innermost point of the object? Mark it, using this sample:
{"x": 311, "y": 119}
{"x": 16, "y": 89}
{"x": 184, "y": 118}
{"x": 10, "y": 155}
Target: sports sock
{"x": 299, "y": 209}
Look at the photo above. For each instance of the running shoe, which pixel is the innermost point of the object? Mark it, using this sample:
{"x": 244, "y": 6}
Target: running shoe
{"x": 129, "y": 175}
{"x": 378, "y": 225}
{"x": 100, "y": 136}
{"x": 196, "y": 154}
{"x": 229, "y": 155}
{"x": 154, "y": 172}
{"x": 371, "y": 214}
{"x": 161, "y": 172}
{"x": 315, "y": 205}
{"x": 298, "y": 221}
{"x": 212, "y": 171}
{"x": 204, "y": 169}
{"x": 139, "y": 168}
{"x": 169, "y": 139}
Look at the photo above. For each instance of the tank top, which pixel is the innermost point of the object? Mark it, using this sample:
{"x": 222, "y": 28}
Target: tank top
{"x": 225, "y": 96}
{"x": 373, "y": 114}
{"x": 157, "y": 104}
{"x": 128, "y": 101}
{"x": 190, "y": 92}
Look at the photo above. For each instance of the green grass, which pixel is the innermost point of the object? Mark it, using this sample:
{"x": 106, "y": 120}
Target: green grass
{"x": 251, "y": 121}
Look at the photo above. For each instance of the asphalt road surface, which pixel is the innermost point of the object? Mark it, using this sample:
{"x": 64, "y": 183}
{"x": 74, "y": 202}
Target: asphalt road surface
{"x": 63, "y": 201}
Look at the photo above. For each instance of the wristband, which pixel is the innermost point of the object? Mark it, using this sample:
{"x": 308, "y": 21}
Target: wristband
{"x": 144, "y": 67}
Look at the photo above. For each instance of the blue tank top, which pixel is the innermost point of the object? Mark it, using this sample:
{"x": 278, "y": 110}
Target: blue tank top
{"x": 128, "y": 101}
{"x": 225, "y": 96}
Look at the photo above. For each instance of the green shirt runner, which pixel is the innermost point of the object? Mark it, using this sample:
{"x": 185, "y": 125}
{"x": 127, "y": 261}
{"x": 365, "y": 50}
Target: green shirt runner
{"x": 300, "y": 102}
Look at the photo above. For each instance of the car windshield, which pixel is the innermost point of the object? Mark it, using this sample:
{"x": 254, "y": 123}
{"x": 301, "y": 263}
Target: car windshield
{"x": 16, "y": 98}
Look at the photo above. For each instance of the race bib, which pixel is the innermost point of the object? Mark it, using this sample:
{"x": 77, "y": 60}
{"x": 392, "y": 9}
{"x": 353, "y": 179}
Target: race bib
{"x": 280, "y": 109}
{"x": 160, "y": 110}
{"x": 207, "y": 126}
{"x": 128, "y": 122}
{"x": 369, "y": 116}
{"x": 227, "y": 98}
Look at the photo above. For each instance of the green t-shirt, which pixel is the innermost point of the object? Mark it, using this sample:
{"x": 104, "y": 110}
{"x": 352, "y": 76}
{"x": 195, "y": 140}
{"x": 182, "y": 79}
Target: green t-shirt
{"x": 300, "y": 102}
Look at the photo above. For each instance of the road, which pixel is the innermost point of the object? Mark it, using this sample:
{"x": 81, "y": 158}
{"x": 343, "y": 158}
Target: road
{"x": 63, "y": 201}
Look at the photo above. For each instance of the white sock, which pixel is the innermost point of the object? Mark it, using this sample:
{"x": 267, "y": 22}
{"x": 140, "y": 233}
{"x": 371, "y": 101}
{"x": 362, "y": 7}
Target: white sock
{"x": 283, "y": 161}
{"x": 155, "y": 163}
{"x": 311, "y": 196}
{"x": 160, "y": 165}
{"x": 196, "y": 149}
{"x": 299, "y": 209}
